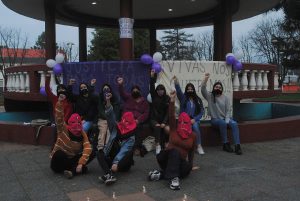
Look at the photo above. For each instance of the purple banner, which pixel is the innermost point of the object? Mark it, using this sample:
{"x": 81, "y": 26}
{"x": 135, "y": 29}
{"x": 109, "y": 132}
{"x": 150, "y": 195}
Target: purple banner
{"x": 133, "y": 72}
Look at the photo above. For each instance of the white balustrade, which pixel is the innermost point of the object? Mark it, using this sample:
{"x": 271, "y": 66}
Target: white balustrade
{"x": 17, "y": 82}
{"x": 236, "y": 81}
{"x": 22, "y": 82}
{"x": 252, "y": 84}
{"x": 259, "y": 82}
{"x": 8, "y": 82}
{"x": 27, "y": 84}
{"x": 245, "y": 80}
{"x": 42, "y": 81}
{"x": 53, "y": 84}
{"x": 276, "y": 83}
{"x": 265, "y": 80}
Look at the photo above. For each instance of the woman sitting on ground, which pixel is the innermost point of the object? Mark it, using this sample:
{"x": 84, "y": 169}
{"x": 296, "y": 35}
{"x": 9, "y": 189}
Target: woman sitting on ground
{"x": 176, "y": 161}
{"x": 117, "y": 155}
{"x": 219, "y": 110}
{"x": 72, "y": 148}
{"x": 159, "y": 113}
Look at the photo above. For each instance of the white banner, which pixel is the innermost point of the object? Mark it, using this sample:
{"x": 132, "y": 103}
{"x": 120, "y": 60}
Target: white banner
{"x": 126, "y": 27}
{"x": 193, "y": 72}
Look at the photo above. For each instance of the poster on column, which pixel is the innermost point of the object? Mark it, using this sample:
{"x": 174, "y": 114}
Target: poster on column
{"x": 193, "y": 72}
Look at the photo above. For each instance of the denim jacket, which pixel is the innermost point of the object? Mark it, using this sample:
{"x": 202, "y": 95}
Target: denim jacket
{"x": 126, "y": 145}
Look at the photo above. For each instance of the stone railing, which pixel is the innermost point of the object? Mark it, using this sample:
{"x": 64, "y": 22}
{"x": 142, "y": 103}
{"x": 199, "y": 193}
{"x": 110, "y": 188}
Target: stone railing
{"x": 255, "y": 81}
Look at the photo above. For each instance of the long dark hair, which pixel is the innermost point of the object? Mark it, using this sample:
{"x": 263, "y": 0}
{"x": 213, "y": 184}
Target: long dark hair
{"x": 161, "y": 99}
{"x": 101, "y": 94}
{"x": 197, "y": 100}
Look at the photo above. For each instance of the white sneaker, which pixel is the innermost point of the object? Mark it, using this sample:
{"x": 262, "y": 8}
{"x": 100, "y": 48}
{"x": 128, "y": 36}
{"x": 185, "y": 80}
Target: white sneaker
{"x": 158, "y": 149}
{"x": 154, "y": 175}
{"x": 175, "y": 184}
{"x": 200, "y": 150}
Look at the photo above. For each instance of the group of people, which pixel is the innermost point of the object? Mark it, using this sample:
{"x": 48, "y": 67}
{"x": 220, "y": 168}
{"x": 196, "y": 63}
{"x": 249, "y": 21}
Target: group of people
{"x": 120, "y": 127}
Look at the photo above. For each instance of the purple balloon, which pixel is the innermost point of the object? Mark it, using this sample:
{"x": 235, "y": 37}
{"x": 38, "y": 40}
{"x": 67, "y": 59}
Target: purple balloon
{"x": 43, "y": 91}
{"x": 146, "y": 59}
{"x": 57, "y": 69}
{"x": 230, "y": 60}
{"x": 156, "y": 67}
{"x": 237, "y": 66}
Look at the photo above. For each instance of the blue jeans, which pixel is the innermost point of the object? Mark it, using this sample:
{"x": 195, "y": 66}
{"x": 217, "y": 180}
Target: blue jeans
{"x": 86, "y": 126}
{"x": 196, "y": 129}
{"x": 222, "y": 126}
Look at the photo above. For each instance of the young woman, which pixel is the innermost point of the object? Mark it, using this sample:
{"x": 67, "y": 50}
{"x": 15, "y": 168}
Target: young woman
{"x": 72, "y": 148}
{"x": 102, "y": 118}
{"x": 176, "y": 161}
{"x": 191, "y": 104}
{"x": 159, "y": 113}
{"x": 117, "y": 155}
{"x": 219, "y": 110}
{"x": 139, "y": 106}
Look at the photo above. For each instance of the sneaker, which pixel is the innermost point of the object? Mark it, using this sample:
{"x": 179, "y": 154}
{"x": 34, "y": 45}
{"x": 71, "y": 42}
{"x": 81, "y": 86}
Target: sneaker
{"x": 237, "y": 149}
{"x": 227, "y": 147}
{"x": 158, "y": 149}
{"x": 68, "y": 174}
{"x": 174, "y": 184}
{"x": 137, "y": 152}
{"x": 200, "y": 150}
{"x": 154, "y": 175}
{"x": 110, "y": 180}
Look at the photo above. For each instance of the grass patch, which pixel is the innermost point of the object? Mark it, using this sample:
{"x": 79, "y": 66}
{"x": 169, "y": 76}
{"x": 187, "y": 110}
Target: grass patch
{"x": 284, "y": 97}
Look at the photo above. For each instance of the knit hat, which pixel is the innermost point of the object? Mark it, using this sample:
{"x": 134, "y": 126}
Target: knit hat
{"x": 74, "y": 124}
{"x": 184, "y": 128}
{"x": 127, "y": 123}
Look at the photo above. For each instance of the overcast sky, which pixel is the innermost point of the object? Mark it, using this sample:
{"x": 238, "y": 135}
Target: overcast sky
{"x": 32, "y": 28}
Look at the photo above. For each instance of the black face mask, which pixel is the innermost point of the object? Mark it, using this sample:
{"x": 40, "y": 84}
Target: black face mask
{"x": 84, "y": 91}
{"x": 135, "y": 94}
{"x": 217, "y": 92}
{"x": 62, "y": 92}
{"x": 190, "y": 93}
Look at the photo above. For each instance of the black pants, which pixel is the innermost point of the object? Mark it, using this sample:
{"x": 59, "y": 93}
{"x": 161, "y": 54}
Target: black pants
{"x": 60, "y": 162}
{"x": 172, "y": 164}
{"x": 159, "y": 133}
{"x": 106, "y": 162}
{"x": 139, "y": 136}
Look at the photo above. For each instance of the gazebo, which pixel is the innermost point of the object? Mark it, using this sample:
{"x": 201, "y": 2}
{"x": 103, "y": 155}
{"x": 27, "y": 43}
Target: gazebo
{"x": 147, "y": 14}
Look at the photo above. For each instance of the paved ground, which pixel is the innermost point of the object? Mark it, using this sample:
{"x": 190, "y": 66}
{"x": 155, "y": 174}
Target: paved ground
{"x": 265, "y": 172}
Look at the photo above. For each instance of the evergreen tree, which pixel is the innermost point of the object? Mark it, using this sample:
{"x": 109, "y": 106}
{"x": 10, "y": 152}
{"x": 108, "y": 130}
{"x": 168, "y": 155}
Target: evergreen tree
{"x": 176, "y": 45}
{"x": 40, "y": 42}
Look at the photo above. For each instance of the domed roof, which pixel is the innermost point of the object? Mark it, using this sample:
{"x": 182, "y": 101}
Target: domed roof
{"x": 146, "y": 13}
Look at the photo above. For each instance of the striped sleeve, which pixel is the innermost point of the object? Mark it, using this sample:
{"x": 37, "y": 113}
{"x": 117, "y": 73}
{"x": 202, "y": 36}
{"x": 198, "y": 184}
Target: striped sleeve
{"x": 87, "y": 150}
{"x": 59, "y": 117}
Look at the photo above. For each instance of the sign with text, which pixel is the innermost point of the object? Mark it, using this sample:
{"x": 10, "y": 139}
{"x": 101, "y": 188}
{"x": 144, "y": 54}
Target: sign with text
{"x": 133, "y": 72}
{"x": 193, "y": 72}
{"x": 126, "y": 27}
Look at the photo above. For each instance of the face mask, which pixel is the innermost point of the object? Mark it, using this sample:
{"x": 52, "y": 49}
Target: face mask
{"x": 74, "y": 124}
{"x": 190, "y": 93}
{"x": 217, "y": 91}
{"x": 61, "y": 92}
{"x": 184, "y": 128}
{"x": 84, "y": 91}
{"x": 135, "y": 94}
{"x": 127, "y": 123}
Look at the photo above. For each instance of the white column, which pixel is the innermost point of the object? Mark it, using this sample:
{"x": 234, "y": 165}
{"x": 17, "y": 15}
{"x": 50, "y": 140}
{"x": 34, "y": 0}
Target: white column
{"x": 276, "y": 83}
{"x": 22, "y": 82}
{"x": 27, "y": 84}
{"x": 245, "y": 80}
{"x": 236, "y": 81}
{"x": 42, "y": 81}
{"x": 53, "y": 84}
{"x": 17, "y": 83}
{"x": 259, "y": 82}
{"x": 265, "y": 80}
{"x": 13, "y": 82}
{"x": 252, "y": 83}
{"x": 8, "y": 75}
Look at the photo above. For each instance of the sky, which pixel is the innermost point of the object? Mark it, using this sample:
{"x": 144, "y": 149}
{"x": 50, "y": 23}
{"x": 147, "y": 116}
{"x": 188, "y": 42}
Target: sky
{"x": 33, "y": 28}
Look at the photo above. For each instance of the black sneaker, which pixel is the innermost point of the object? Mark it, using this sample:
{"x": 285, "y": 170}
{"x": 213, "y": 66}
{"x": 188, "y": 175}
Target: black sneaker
{"x": 104, "y": 177}
{"x": 68, "y": 174}
{"x": 237, "y": 149}
{"x": 227, "y": 147}
{"x": 175, "y": 184}
{"x": 110, "y": 179}
{"x": 154, "y": 175}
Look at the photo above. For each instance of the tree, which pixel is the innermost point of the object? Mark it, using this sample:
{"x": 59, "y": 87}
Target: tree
{"x": 176, "y": 45}
{"x": 204, "y": 46}
{"x": 40, "y": 43}
{"x": 246, "y": 46}
{"x": 12, "y": 48}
